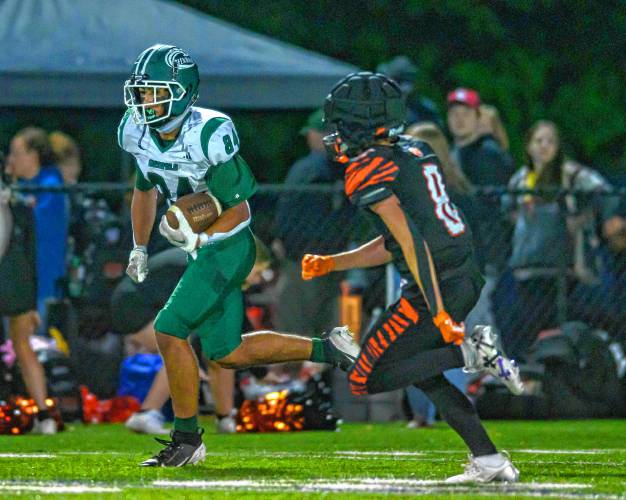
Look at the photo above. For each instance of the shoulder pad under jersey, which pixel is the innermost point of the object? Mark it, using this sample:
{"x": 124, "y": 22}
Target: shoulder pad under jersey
{"x": 211, "y": 136}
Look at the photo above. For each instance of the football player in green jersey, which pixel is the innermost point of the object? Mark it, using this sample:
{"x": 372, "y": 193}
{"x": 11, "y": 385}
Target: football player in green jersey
{"x": 180, "y": 149}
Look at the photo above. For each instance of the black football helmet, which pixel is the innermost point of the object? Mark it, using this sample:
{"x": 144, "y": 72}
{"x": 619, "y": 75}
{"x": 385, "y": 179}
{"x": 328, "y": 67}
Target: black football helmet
{"x": 361, "y": 108}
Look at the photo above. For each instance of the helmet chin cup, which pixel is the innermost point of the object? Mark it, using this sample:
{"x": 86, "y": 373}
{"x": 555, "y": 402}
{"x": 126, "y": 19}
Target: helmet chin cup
{"x": 336, "y": 148}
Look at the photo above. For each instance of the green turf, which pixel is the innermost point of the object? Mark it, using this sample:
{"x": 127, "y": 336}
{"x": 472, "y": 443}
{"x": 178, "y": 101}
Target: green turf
{"x": 316, "y": 464}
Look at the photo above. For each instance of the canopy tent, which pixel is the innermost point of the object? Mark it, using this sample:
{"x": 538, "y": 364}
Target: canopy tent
{"x": 71, "y": 53}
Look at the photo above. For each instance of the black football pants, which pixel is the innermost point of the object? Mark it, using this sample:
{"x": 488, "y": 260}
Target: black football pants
{"x": 405, "y": 348}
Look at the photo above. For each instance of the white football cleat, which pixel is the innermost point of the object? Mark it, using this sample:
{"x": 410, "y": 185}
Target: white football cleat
{"x": 147, "y": 422}
{"x": 226, "y": 425}
{"x": 481, "y": 353}
{"x": 487, "y": 469}
{"x": 47, "y": 426}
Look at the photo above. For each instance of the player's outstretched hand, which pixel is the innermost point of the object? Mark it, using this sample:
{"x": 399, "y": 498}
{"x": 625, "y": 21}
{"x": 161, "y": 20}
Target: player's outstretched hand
{"x": 138, "y": 264}
{"x": 452, "y": 333}
{"x": 314, "y": 266}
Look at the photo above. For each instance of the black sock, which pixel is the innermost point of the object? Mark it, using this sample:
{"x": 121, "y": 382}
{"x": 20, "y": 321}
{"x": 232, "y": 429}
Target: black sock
{"x": 395, "y": 374}
{"x": 194, "y": 438}
{"x": 459, "y": 413}
{"x": 43, "y": 414}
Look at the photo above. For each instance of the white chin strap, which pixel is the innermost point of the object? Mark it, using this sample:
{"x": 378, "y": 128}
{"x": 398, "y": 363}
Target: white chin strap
{"x": 173, "y": 124}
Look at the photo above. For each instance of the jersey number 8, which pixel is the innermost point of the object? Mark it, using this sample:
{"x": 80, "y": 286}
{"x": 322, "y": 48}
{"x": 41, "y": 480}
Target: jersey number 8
{"x": 444, "y": 209}
{"x": 229, "y": 147}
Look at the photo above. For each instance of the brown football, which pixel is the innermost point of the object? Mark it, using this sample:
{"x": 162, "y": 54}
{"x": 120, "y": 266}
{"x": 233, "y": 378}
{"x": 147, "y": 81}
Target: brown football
{"x": 200, "y": 209}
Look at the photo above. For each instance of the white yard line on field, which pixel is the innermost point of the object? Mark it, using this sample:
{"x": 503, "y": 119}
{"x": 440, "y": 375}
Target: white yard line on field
{"x": 352, "y": 485}
{"x": 357, "y": 453}
{"x": 383, "y": 453}
{"x": 57, "y": 453}
{"x": 101, "y": 452}
{"x": 52, "y": 487}
{"x": 605, "y": 451}
{"x": 418, "y": 456}
{"x": 373, "y": 485}
{"x": 26, "y": 455}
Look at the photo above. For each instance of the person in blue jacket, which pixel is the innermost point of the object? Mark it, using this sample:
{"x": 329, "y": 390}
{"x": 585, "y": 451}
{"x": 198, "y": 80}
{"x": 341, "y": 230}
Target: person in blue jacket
{"x": 31, "y": 162}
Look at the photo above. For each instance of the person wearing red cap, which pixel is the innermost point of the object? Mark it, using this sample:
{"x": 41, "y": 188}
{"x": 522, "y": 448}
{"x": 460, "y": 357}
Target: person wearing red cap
{"x": 480, "y": 157}
{"x": 484, "y": 163}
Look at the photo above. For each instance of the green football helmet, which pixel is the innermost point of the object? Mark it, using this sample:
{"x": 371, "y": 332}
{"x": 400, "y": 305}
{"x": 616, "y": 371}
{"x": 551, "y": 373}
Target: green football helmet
{"x": 162, "y": 67}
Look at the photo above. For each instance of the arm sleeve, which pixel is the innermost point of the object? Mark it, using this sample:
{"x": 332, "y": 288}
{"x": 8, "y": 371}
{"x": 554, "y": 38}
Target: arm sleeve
{"x": 231, "y": 182}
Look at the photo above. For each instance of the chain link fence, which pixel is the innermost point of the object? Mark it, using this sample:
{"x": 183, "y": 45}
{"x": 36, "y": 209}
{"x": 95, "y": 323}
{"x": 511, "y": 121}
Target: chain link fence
{"x": 548, "y": 257}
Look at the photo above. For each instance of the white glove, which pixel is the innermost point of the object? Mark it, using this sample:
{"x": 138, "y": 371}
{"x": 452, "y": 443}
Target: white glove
{"x": 138, "y": 264}
{"x": 183, "y": 237}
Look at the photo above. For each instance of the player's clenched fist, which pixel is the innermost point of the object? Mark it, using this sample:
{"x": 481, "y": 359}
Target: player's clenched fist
{"x": 450, "y": 331}
{"x": 314, "y": 266}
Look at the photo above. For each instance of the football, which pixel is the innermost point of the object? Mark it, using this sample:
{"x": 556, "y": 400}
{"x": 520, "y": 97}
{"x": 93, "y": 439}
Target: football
{"x": 200, "y": 209}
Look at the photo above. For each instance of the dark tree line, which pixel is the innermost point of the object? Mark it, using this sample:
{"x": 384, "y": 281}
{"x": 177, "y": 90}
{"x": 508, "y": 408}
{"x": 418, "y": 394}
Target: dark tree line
{"x": 563, "y": 60}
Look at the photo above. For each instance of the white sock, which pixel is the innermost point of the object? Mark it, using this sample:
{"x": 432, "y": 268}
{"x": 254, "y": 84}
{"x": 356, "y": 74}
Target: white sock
{"x": 469, "y": 355}
{"x": 493, "y": 460}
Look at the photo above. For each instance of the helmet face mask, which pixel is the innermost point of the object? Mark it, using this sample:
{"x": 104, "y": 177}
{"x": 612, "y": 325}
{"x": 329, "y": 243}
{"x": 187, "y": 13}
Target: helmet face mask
{"x": 336, "y": 148}
{"x": 144, "y": 112}
{"x": 363, "y": 108}
{"x": 161, "y": 67}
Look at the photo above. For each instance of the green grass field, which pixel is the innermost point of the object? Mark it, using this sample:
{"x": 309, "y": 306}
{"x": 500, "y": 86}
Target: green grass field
{"x": 579, "y": 459}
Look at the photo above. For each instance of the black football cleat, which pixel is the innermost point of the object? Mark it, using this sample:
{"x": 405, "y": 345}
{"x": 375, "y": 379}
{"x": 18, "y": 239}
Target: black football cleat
{"x": 340, "y": 349}
{"x": 177, "y": 453}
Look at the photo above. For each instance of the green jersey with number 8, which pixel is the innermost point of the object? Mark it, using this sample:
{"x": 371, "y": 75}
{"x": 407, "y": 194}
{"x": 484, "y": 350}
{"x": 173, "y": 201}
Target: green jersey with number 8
{"x": 203, "y": 157}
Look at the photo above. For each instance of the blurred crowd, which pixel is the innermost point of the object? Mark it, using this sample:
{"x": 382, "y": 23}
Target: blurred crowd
{"x": 550, "y": 234}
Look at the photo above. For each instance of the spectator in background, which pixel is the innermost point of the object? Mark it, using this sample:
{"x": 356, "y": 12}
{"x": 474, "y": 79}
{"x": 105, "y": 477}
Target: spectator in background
{"x": 457, "y": 182}
{"x": 31, "y": 162}
{"x": 490, "y": 124}
{"x": 419, "y": 108}
{"x": 485, "y": 164}
{"x": 18, "y": 301}
{"x": 555, "y": 257}
{"x": 614, "y": 230}
{"x": 310, "y": 221}
{"x": 67, "y": 154}
{"x": 480, "y": 157}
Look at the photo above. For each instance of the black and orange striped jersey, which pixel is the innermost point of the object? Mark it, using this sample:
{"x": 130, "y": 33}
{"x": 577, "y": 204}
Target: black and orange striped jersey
{"x": 410, "y": 170}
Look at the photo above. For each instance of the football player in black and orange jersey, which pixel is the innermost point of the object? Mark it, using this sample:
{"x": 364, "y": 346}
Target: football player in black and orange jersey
{"x": 398, "y": 182}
